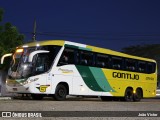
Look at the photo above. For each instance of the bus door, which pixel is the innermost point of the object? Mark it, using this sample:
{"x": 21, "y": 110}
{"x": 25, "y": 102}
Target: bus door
{"x": 41, "y": 67}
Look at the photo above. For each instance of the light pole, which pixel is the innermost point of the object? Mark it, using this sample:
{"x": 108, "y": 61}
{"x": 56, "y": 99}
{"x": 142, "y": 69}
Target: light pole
{"x": 34, "y": 31}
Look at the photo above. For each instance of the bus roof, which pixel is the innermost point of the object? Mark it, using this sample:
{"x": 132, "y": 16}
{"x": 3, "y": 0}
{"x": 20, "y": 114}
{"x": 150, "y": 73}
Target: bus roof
{"x": 84, "y": 47}
{"x": 42, "y": 43}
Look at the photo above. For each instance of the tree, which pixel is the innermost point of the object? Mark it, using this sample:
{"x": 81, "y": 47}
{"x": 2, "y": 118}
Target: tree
{"x": 148, "y": 51}
{"x": 10, "y": 38}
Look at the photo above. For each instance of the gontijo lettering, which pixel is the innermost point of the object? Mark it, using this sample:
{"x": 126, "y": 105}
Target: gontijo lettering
{"x": 125, "y": 75}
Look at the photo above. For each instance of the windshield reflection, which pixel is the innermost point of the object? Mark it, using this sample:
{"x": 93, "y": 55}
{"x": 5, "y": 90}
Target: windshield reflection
{"x": 42, "y": 62}
{"x": 20, "y": 67}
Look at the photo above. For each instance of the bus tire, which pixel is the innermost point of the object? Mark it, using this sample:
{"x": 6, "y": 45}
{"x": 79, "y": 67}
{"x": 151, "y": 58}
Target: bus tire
{"x": 138, "y": 95}
{"x": 37, "y": 96}
{"x": 60, "y": 93}
{"x": 106, "y": 98}
{"x": 128, "y": 95}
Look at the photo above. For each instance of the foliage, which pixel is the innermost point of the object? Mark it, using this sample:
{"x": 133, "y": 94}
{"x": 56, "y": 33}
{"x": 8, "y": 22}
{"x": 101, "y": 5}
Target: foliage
{"x": 10, "y": 38}
{"x": 148, "y": 51}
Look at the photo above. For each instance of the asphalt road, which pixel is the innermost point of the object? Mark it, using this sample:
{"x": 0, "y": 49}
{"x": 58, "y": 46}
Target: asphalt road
{"x": 81, "y": 104}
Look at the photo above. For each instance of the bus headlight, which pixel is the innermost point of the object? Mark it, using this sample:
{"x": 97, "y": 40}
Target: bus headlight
{"x": 30, "y": 80}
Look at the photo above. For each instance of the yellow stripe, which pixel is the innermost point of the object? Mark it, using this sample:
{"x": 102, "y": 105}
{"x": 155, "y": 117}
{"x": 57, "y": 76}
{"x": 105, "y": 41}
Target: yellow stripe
{"x": 48, "y": 42}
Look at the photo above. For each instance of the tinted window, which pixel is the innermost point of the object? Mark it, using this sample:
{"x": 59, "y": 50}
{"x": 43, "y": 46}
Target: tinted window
{"x": 130, "y": 64}
{"x": 102, "y": 61}
{"x": 151, "y": 67}
{"x": 86, "y": 58}
{"x": 117, "y": 63}
{"x": 142, "y": 66}
{"x": 42, "y": 63}
{"x": 67, "y": 57}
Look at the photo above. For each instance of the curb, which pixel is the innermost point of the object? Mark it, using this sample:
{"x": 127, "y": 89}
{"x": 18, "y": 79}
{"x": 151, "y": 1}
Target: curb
{"x": 5, "y": 98}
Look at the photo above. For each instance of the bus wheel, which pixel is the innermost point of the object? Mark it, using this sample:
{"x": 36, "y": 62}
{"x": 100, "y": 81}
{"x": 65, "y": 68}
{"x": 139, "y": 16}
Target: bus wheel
{"x": 106, "y": 98}
{"x": 60, "y": 93}
{"x": 128, "y": 95}
{"x": 37, "y": 96}
{"x": 138, "y": 95}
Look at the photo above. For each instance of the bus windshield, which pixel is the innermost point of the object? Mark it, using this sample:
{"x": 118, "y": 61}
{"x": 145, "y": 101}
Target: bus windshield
{"x": 20, "y": 68}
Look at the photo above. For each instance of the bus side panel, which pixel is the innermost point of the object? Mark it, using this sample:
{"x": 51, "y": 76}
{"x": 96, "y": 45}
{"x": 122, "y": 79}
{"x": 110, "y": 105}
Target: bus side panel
{"x": 118, "y": 84}
{"x": 95, "y": 80}
{"x": 62, "y": 74}
{"x": 120, "y": 80}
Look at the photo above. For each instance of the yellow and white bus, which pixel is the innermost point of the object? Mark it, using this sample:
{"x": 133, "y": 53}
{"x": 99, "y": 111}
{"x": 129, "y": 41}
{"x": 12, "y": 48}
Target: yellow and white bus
{"x": 59, "y": 68}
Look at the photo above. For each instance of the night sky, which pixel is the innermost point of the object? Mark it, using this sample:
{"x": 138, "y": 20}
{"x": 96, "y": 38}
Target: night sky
{"x": 112, "y": 24}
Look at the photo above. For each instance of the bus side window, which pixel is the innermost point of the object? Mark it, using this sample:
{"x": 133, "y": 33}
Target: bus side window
{"x": 150, "y": 67}
{"x": 102, "y": 61}
{"x": 41, "y": 64}
{"x": 130, "y": 65}
{"x": 67, "y": 57}
{"x": 86, "y": 58}
{"x": 117, "y": 63}
{"x": 142, "y": 66}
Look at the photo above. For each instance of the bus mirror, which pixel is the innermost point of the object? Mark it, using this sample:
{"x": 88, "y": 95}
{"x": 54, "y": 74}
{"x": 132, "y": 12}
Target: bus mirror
{"x": 4, "y": 56}
{"x": 34, "y": 53}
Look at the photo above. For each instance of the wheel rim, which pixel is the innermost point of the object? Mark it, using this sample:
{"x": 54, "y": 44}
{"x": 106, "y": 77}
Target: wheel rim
{"x": 129, "y": 96}
{"x": 61, "y": 93}
{"x": 139, "y": 95}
